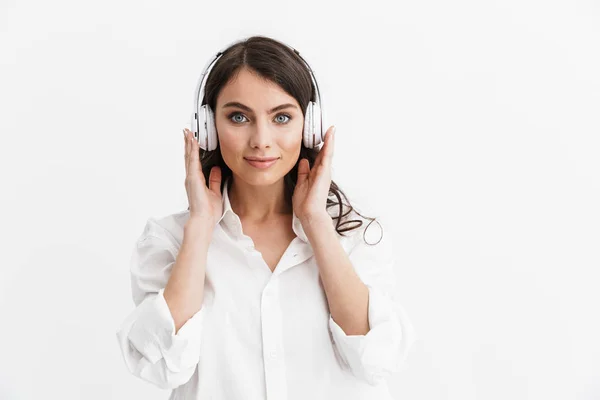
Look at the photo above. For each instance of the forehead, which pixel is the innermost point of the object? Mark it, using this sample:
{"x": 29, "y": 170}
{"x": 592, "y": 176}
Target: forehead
{"x": 251, "y": 89}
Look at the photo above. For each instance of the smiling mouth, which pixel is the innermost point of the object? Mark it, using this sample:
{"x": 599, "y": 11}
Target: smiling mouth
{"x": 261, "y": 164}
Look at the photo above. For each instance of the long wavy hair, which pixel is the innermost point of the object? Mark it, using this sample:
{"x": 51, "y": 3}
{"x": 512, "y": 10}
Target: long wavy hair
{"x": 278, "y": 63}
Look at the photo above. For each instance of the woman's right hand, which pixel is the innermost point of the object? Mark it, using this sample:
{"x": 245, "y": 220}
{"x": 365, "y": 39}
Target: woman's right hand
{"x": 205, "y": 202}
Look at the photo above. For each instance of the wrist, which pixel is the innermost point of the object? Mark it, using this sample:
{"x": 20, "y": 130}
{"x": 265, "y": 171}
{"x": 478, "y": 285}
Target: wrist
{"x": 317, "y": 219}
{"x": 198, "y": 227}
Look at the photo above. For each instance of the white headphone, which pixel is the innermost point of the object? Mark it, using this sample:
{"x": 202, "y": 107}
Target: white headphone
{"x": 203, "y": 118}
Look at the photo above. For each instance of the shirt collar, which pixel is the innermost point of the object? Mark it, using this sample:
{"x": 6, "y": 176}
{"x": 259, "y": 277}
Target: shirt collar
{"x": 231, "y": 222}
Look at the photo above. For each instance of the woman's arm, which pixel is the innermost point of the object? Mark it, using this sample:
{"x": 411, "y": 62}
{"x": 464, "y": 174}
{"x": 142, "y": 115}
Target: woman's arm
{"x": 160, "y": 342}
{"x": 347, "y": 295}
{"x": 184, "y": 292}
{"x": 371, "y": 330}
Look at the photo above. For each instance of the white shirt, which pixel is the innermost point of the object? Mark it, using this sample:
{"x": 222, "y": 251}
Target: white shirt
{"x": 262, "y": 334}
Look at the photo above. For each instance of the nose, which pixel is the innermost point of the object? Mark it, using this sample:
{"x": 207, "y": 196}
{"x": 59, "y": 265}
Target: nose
{"x": 262, "y": 134}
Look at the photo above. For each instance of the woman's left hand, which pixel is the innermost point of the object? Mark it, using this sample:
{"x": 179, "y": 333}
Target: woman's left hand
{"x": 312, "y": 187}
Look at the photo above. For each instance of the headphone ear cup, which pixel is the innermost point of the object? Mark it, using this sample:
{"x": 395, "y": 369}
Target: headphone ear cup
{"x": 205, "y": 129}
{"x": 306, "y": 134}
{"x": 194, "y": 125}
{"x": 199, "y": 127}
{"x": 312, "y": 126}
{"x": 211, "y": 129}
{"x": 316, "y": 115}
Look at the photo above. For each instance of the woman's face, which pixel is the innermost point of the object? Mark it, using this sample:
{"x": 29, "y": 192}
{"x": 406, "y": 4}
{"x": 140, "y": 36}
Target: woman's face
{"x": 257, "y": 118}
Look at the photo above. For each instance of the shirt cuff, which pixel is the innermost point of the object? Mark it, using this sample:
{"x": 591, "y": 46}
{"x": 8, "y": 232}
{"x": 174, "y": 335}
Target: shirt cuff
{"x": 153, "y": 334}
{"x": 377, "y": 354}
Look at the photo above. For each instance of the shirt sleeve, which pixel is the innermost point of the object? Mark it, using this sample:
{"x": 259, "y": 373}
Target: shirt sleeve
{"x": 382, "y": 351}
{"x": 150, "y": 348}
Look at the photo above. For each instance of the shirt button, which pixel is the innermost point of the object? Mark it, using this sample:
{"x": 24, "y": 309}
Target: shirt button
{"x": 273, "y": 354}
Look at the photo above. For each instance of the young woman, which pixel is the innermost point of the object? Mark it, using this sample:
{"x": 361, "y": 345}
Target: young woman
{"x": 256, "y": 291}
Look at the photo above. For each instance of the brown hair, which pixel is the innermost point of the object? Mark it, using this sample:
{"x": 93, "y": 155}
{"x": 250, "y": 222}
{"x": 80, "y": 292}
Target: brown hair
{"x": 278, "y": 63}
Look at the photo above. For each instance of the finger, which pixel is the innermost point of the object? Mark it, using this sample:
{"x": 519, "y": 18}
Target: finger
{"x": 330, "y": 141}
{"x": 194, "y": 165}
{"x": 319, "y": 156}
{"x": 187, "y": 150}
{"x": 190, "y": 156}
{"x": 185, "y": 147}
{"x": 215, "y": 180}
{"x": 303, "y": 171}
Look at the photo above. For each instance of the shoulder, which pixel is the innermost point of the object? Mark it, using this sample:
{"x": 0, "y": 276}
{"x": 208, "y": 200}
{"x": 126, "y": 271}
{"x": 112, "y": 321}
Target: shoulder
{"x": 168, "y": 228}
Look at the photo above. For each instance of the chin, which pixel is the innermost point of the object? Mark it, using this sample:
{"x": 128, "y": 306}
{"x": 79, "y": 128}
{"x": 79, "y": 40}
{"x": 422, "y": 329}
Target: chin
{"x": 257, "y": 177}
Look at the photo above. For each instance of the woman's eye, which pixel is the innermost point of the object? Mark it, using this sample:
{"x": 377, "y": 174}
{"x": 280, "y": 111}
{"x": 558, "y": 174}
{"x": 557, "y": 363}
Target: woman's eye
{"x": 285, "y": 121}
{"x": 237, "y": 121}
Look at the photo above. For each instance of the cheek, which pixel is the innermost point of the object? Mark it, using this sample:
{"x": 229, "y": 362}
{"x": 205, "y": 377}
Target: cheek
{"x": 229, "y": 140}
{"x": 295, "y": 133}
{"x": 230, "y": 150}
{"x": 291, "y": 143}
{"x": 291, "y": 151}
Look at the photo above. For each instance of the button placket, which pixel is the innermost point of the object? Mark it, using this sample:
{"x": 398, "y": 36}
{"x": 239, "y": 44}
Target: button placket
{"x": 274, "y": 365}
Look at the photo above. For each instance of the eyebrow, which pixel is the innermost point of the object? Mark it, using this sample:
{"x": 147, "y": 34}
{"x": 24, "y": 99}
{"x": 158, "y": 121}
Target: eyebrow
{"x": 248, "y": 109}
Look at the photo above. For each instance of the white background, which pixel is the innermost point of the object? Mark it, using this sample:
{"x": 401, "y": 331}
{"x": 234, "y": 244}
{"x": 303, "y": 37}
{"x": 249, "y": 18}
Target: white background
{"x": 471, "y": 126}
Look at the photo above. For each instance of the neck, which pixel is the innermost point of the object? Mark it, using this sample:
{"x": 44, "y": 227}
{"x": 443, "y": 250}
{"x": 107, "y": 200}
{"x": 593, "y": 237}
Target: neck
{"x": 258, "y": 203}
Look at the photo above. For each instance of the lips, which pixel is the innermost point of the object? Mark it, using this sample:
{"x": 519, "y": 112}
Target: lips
{"x": 261, "y": 164}
{"x": 261, "y": 158}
